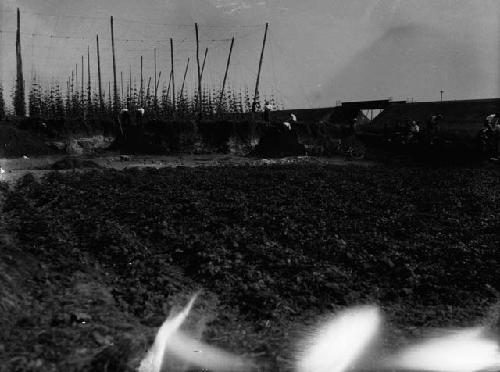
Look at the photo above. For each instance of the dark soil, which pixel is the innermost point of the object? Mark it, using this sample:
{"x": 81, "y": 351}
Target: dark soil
{"x": 74, "y": 163}
{"x": 16, "y": 142}
{"x": 94, "y": 261}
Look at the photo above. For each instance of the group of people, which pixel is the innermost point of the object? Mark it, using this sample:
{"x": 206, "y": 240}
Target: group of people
{"x": 489, "y": 136}
{"x": 126, "y": 118}
{"x": 268, "y": 107}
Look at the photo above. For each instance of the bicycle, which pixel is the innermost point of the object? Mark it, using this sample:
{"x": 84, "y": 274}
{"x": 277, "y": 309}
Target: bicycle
{"x": 351, "y": 149}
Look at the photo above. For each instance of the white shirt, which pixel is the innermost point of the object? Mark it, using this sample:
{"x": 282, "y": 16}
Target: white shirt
{"x": 492, "y": 120}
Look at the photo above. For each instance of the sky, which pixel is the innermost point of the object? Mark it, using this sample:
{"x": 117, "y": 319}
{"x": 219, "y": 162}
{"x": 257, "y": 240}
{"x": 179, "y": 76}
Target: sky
{"x": 318, "y": 52}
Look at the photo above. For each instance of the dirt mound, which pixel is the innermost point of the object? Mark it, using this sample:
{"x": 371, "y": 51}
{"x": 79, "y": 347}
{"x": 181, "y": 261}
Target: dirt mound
{"x": 278, "y": 141}
{"x": 15, "y": 142}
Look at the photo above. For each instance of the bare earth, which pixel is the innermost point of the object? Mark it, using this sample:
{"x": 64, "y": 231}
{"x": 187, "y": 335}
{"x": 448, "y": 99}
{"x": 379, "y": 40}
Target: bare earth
{"x": 38, "y": 166}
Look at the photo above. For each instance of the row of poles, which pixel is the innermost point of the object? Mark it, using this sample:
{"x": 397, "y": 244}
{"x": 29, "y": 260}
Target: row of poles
{"x": 19, "y": 96}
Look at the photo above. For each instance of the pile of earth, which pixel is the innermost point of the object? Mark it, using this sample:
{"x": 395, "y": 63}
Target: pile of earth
{"x": 278, "y": 141}
{"x": 16, "y": 142}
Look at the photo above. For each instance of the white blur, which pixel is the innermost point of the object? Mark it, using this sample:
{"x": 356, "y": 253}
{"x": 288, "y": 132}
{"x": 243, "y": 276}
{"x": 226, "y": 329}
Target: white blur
{"x": 340, "y": 341}
{"x": 172, "y": 343}
{"x": 459, "y": 351}
{"x": 154, "y": 358}
{"x": 196, "y": 353}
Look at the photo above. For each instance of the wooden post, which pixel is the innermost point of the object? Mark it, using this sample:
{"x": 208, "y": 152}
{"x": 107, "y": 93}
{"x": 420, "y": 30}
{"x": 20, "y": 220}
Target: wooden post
{"x": 141, "y": 90}
{"x": 109, "y": 96}
{"x": 121, "y": 84}
{"x": 89, "y": 86}
{"x": 68, "y": 96}
{"x": 147, "y": 91}
{"x": 199, "y": 69}
{"x": 256, "y": 93}
{"x": 115, "y": 91}
{"x": 184, "y": 80}
{"x": 156, "y": 97}
{"x": 72, "y": 82}
{"x": 172, "y": 72}
{"x": 225, "y": 73}
{"x": 19, "y": 100}
{"x": 204, "y": 60}
{"x": 76, "y": 78}
{"x": 83, "y": 83}
{"x": 156, "y": 86}
{"x": 169, "y": 82}
{"x": 101, "y": 101}
{"x": 129, "y": 100}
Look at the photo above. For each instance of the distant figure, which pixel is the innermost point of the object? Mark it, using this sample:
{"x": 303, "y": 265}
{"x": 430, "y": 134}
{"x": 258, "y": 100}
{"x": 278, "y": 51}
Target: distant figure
{"x": 494, "y": 123}
{"x": 124, "y": 120}
{"x": 413, "y": 130}
{"x": 432, "y": 125}
{"x": 488, "y": 143}
{"x": 432, "y": 129}
{"x": 139, "y": 115}
{"x": 293, "y": 117}
{"x": 287, "y": 125}
{"x": 267, "y": 112}
{"x": 414, "y": 127}
{"x": 496, "y": 129}
{"x": 42, "y": 128}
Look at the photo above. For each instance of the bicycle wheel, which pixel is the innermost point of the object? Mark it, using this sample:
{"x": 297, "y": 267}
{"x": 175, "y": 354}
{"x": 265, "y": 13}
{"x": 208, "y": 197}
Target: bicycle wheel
{"x": 352, "y": 148}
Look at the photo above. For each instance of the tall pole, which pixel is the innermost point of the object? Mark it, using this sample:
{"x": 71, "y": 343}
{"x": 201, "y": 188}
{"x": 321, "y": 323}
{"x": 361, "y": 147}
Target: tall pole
{"x": 256, "y": 93}
{"x": 156, "y": 97}
{"x": 83, "y": 83}
{"x": 157, "y": 85}
{"x": 110, "y": 102}
{"x": 72, "y": 82}
{"x": 172, "y": 72}
{"x": 203, "y": 65}
{"x": 121, "y": 83}
{"x": 169, "y": 83}
{"x": 184, "y": 80}
{"x": 199, "y": 69}
{"x": 109, "y": 96}
{"x": 76, "y": 78}
{"x": 147, "y": 91}
{"x": 19, "y": 100}
{"x": 89, "y": 87}
{"x": 442, "y": 95}
{"x": 68, "y": 96}
{"x": 101, "y": 103}
{"x": 130, "y": 85}
{"x": 141, "y": 90}
{"x": 115, "y": 91}
{"x": 225, "y": 73}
